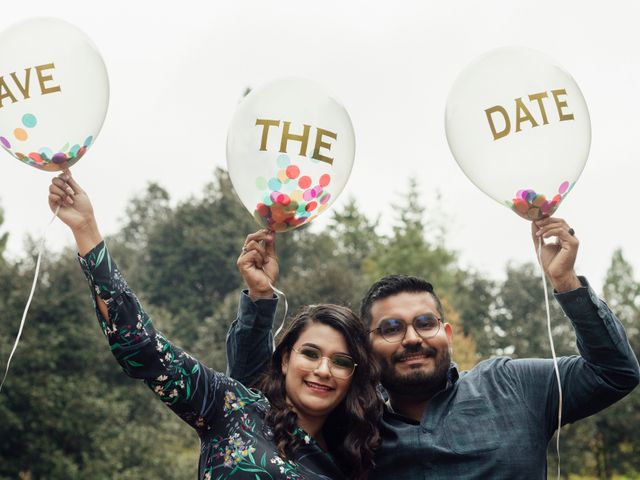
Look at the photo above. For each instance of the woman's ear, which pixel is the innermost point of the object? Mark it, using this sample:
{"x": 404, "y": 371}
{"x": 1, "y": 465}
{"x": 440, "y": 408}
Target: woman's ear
{"x": 285, "y": 363}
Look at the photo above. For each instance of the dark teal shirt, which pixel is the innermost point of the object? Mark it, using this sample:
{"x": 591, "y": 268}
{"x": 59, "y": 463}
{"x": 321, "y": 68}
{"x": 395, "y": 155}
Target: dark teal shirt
{"x": 494, "y": 421}
{"x": 236, "y": 441}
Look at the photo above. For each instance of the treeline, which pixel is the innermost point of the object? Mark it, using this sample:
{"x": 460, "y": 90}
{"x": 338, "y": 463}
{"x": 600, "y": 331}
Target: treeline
{"x": 67, "y": 412}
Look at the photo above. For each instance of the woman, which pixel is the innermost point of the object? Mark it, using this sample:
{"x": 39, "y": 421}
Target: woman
{"x": 318, "y": 415}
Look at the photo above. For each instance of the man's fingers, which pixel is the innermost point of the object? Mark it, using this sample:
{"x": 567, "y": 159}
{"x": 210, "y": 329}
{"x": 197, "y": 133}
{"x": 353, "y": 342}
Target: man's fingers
{"x": 548, "y": 221}
{"x": 559, "y": 231}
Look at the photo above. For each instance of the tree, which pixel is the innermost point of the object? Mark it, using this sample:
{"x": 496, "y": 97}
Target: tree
{"x": 520, "y": 321}
{"x": 474, "y": 298}
{"x": 192, "y": 253}
{"x": 409, "y": 252}
{"x": 355, "y": 235}
{"x": 67, "y": 411}
{"x": 3, "y": 236}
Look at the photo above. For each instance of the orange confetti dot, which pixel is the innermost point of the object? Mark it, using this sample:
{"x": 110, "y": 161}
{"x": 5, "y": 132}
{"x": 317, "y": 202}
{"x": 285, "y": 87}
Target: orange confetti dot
{"x": 540, "y": 199}
{"x": 520, "y": 205}
{"x": 20, "y": 134}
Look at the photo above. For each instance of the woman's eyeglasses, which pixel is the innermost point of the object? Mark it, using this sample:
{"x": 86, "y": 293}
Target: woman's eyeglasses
{"x": 340, "y": 365}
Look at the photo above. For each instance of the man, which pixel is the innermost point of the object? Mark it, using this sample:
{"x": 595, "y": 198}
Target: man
{"x": 492, "y": 422}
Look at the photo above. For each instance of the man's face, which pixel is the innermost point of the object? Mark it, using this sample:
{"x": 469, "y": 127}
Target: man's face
{"x": 414, "y": 365}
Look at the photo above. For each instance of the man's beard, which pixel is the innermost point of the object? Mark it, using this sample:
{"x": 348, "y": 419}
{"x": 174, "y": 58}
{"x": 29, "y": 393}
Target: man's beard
{"x": 417, "y": 382}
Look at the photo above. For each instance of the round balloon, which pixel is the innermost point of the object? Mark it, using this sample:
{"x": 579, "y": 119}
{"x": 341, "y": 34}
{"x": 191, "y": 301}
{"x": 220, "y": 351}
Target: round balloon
{"x": 290, "y": 150}
{"x": 54, "y": 92}
{"x": 518, "y": 126}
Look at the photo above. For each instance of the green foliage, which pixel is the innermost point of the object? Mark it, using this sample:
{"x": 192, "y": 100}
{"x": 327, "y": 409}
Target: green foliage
{"x": 66, "y": 411}
{"x": 520, "y": 320}
{"x": 3, "y": 236}
{"x": 409, "y": 251}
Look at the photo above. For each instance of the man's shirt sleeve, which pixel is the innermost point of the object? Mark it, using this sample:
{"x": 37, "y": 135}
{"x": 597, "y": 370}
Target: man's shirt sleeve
{"x": 605, "y": 371}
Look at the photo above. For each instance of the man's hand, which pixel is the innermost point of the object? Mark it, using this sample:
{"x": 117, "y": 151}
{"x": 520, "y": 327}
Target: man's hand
{"x": 75, "y": 211}
{"x": 559, "y": 258}
{"x": 258, "y": 264}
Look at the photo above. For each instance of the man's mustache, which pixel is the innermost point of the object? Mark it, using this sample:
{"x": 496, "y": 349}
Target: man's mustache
{"x": 410, "y": 351}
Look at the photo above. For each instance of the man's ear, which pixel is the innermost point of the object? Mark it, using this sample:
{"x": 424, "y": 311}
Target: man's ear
{"x": 448, "y": 330}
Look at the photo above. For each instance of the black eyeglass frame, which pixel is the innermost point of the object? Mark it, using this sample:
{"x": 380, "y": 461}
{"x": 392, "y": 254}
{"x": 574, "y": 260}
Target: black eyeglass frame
{"x": 406, "y": 327}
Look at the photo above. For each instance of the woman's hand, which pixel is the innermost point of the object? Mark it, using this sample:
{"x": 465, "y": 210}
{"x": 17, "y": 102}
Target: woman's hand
{"x": 258, "y": 264}
{"x": 75, "y": 211}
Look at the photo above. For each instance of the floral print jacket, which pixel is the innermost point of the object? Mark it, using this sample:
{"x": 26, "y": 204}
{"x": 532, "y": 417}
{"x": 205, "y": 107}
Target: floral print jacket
{"x": 228, "y": 417}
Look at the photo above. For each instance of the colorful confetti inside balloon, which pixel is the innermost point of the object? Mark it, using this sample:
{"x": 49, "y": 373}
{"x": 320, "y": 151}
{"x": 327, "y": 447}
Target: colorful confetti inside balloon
{"x": 533, "y": 206}
{"x": 290, "y": 151}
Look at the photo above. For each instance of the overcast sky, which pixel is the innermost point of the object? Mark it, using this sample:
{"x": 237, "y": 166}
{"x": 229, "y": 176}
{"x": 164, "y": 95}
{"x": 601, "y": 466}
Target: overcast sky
{"x": 178, "y": 70}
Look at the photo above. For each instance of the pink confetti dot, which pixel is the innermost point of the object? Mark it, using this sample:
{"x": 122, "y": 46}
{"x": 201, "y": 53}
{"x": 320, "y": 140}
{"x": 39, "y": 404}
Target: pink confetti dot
{"x": 284, "y": 199}
{"x": 563, "y": 187}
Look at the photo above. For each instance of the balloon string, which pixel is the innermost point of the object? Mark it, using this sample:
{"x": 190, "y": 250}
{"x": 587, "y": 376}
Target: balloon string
{"x": 286, "y": 309}
{"x": 553, "y": 352}
{"x": 33, "y": 288}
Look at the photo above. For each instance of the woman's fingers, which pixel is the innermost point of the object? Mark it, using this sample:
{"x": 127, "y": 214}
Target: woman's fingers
{"x": 60, "y": 192}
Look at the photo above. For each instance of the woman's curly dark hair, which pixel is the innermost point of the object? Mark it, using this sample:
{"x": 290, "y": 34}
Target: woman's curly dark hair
{"x": 351, "y": 430}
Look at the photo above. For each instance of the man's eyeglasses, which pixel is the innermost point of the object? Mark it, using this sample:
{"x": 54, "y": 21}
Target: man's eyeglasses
{"x": 394, "y": 330}
{"x": 340, "y": 365}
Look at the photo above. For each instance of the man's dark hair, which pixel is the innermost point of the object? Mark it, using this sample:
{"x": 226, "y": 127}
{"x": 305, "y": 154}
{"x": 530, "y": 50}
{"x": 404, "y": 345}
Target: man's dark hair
{"x": 393, "y": 285}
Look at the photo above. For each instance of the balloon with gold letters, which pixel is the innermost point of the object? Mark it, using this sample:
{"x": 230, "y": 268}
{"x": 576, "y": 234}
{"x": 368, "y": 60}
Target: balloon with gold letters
{"x": 54, "y": 93}
{"x": 518, "y": 126}
{"x": 290, "y": 150}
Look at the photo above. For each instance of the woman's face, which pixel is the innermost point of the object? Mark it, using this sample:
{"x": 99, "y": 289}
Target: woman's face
{"x": 315, "y": 388}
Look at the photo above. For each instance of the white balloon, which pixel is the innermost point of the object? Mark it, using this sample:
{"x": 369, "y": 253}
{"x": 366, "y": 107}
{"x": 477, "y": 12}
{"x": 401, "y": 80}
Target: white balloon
{"x": 518, "y": 126}
{"x": 290, "y": 151}
{"x": 54, "y": 92}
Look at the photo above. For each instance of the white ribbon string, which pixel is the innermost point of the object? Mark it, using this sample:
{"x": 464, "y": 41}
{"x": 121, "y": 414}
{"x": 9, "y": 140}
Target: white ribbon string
{"x": 33, "y": 288}
{"x": 553, "y": 352}
{"x": 286, "y": 309}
